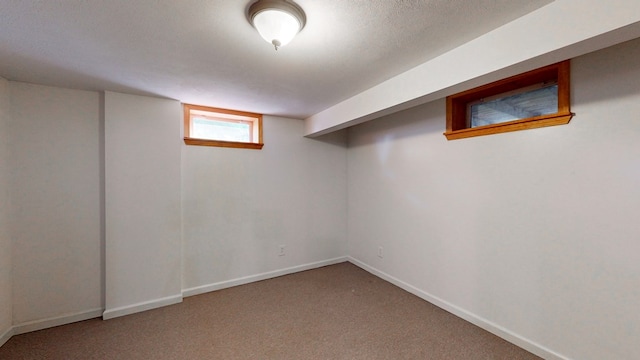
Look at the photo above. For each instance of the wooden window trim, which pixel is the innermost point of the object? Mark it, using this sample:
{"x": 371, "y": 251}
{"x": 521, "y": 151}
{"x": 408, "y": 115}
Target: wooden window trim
{"x": 457, "y": 127}
{"x": 219, "y": 143}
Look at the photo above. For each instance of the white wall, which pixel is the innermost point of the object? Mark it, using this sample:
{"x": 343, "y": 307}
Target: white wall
{"x": 6, "y": 298}
{"x": 54, "y": 202}
{"x": 239, "y": 205}
{"x": 54, "y": 176}
{"x": 532, "y": 234}
{"x": 142, "y": 203}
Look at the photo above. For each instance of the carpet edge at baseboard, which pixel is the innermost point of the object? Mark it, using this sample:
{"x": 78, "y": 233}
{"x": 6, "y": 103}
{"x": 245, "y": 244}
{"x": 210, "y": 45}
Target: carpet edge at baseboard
{"x": 7, "y": 335}
{"x": 56, "y": 321}
{"x": 489, "y": 326}
{"x": 202, "y": 289}
{"x": 140, "y": 307}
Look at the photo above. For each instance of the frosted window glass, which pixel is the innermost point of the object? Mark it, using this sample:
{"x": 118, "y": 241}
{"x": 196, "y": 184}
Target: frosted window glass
{"x": 523, "y": 105}
{"x": 221, "y": 130}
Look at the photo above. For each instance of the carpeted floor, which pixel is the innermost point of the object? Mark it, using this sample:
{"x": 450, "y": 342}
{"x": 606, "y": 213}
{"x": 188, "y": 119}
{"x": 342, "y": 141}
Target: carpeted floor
{"x": 335, "y": 312}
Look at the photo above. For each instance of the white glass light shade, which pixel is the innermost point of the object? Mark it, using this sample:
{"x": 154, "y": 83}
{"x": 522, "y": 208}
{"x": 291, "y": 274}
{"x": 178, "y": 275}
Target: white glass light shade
{"x": 276, "y": 27}
{"x": 277, "y": 21}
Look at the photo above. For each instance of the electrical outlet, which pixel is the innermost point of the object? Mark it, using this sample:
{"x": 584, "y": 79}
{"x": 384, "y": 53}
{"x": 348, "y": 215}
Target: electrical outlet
{"x": 380, "y": 253}
{"x": 281, "y": 251}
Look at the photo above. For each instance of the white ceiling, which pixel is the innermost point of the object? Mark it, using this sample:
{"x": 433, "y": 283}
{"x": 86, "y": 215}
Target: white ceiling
{"x": 205, "y": 52}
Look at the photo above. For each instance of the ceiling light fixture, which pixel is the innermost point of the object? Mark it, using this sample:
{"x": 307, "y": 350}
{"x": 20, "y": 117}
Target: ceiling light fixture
{"x": 277, "y": 21}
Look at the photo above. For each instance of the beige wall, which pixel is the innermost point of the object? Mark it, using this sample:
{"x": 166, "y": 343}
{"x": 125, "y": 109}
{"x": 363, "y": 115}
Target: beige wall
{"x": 531, "y": 234}
{"x": 55, "y": 202}
{"x": 6, "y": 298}
{"x": 142, "y": 203}
{"x": 240, "y": 205}
{"x": 68, "y": 238}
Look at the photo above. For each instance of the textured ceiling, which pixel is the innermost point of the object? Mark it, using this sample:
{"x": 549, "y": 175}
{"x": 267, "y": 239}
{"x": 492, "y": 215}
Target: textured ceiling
{"x": 205, "y": 52}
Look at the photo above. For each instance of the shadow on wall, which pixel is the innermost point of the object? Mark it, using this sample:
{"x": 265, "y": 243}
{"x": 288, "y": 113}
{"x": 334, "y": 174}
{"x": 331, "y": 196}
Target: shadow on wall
{"x": 429, "y": 118}
{"x": 71, "y": 74}
{"x": 618, "y": 67}
{"x": 338, "y": 138}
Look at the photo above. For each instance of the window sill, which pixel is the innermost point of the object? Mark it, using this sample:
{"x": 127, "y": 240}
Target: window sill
{"x": 524, "y": 124}
{"x": 219, "y": 143}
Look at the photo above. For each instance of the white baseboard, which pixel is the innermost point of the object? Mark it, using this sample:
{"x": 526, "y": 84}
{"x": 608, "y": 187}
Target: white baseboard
{"x": 518, "y": 340}
{"x": 6, "y": 336}
{"x": 139, "y": 307}
{"x": 55, "y": 321}
{"x": 258, "y": 277}
{"x": 493, "y": 328}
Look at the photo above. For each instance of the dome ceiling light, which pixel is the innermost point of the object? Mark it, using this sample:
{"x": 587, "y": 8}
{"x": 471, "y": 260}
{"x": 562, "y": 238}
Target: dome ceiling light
{"x": 277, "y": 21}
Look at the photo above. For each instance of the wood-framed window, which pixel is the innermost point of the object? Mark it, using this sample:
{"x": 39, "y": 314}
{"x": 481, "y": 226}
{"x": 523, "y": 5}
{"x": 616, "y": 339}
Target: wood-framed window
{"x": 208, "y": 126}
{"x": 530, "y": 100}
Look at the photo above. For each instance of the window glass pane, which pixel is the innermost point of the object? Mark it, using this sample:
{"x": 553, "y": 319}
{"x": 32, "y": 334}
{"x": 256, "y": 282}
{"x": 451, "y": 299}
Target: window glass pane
{"x": 508, "y": 107}
{"x": 203, "y": 128}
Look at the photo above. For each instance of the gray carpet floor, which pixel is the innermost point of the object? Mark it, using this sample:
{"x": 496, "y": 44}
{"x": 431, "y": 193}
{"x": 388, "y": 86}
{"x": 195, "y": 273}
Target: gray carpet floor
{"x": 335, "y": 312}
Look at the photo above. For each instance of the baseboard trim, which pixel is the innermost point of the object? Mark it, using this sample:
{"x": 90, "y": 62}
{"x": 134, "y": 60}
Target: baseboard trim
{"x": 491, "y": 327}
{"x": 259, "y": 277}
{"x": 140, "y": 307}
{"x": 6, "y": 336}
{"x": 516, "y": 339}
{"x": 56, "y": 321}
